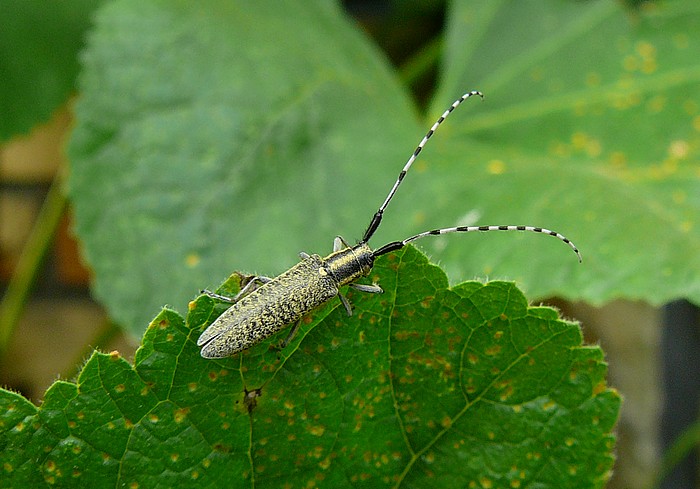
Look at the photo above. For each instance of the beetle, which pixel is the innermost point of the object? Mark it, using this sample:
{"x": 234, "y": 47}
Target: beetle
{"x": 266, "y": 305}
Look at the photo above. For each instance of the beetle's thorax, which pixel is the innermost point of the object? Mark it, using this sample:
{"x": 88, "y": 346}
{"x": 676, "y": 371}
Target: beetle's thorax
{"x": 349, "y": 264}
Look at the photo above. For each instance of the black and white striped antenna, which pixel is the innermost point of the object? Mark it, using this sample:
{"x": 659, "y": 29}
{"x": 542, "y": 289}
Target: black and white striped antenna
{"x": 395, "y": 245}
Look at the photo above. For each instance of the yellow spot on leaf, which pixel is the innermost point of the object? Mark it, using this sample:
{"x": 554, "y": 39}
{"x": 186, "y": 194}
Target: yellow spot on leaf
{"x": 179, "y": 415}
{"x": 618, "y": 159}
{"x": 486, "y": 483}
{"x": 679, "y": 149}
{"x": 317, "y": 430}
{"x": 496, "y": 167}
{"x": 192, "y": 260}
{"x": 599, "y": 388}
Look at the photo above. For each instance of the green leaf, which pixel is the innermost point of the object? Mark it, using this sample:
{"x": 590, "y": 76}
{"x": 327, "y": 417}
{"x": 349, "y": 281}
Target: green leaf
{"x": 424, "y": 386}
{"x": 592, "y": 127}
{"x": 39, "y": 44}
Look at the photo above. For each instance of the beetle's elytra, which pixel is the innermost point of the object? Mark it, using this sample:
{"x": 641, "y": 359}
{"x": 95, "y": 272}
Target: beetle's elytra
{"x": 267, "y": 305}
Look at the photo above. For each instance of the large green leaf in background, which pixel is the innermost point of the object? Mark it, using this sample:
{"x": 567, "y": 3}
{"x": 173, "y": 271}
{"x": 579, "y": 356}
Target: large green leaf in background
{"x": 215, "y": 136}
{"x": 593, "y": 126}
{"x": 423, "y": 387}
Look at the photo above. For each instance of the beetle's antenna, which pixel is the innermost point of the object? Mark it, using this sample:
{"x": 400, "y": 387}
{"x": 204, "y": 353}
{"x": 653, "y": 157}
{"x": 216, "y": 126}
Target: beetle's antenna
{"x": 396, "y": 245}
{"x": 377, "y": 219}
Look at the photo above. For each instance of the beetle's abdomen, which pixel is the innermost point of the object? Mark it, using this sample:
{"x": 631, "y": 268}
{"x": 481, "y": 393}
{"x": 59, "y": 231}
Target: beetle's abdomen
{"x": 265, "y": 311}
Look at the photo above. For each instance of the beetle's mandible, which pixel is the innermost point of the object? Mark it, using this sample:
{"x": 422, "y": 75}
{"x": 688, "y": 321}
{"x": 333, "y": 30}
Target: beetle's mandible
{"x": 265, "y": 305}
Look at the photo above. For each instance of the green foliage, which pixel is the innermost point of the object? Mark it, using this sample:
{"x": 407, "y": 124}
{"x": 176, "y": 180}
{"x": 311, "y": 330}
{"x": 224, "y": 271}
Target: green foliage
{"x": 39, "y": 43}
{"x": 424, "y": 386}
{"x": 205, "y": 144}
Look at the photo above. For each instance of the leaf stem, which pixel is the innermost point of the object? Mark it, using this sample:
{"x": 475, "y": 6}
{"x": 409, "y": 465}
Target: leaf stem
{"x": 30, "y": 261}
{"x": 421, "y": 62}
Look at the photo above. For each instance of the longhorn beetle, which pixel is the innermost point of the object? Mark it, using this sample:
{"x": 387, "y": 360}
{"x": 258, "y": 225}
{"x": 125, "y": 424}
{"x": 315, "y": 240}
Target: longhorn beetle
{"x": 265, "y": 305}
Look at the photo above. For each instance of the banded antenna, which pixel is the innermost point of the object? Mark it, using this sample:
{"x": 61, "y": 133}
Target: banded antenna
{"x": 395, "y": 245}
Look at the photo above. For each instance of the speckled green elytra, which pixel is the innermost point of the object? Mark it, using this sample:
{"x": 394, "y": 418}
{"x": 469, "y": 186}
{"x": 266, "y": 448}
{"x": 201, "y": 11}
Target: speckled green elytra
{"x": 267, "y": 305}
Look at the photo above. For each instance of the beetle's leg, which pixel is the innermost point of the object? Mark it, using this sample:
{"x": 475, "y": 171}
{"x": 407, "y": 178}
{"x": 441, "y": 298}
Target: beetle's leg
{"x": 339, "y": 244}
{"x": 290, "y": 336}
{"x": 346, "y": 303}
{"x": 247, "y": 289}
{"x": 372, "y": 289}
{"x": 216, "y": 296}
